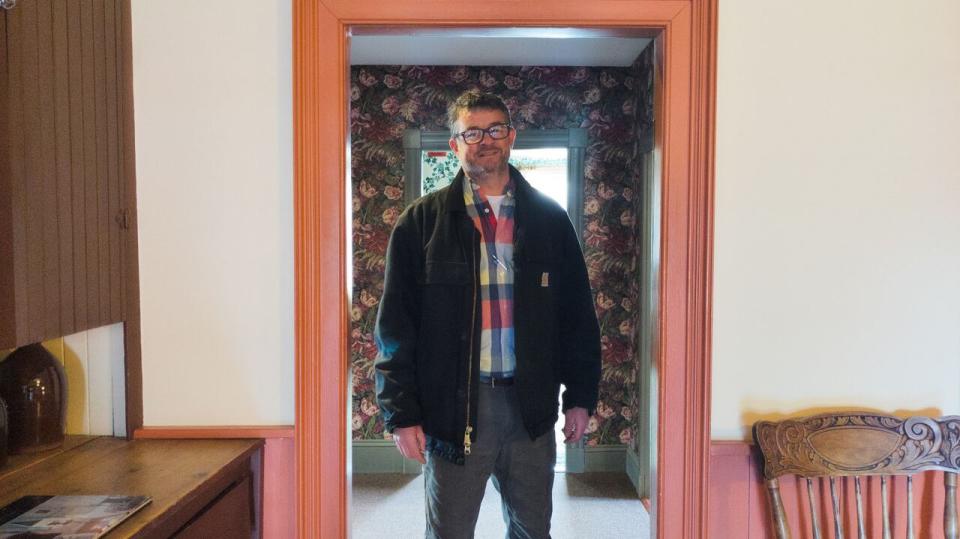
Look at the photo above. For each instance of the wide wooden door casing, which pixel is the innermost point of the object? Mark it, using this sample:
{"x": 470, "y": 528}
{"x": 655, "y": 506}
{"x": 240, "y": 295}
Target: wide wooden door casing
{"x": 686, "y": 89}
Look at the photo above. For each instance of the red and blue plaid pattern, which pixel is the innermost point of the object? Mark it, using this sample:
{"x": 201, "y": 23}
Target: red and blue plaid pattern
{"x": 497, "y": 359}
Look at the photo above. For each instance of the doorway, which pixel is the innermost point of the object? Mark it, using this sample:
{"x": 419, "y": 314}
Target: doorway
{"x": 685, "y": 150}
{"x": 584, "y": 134}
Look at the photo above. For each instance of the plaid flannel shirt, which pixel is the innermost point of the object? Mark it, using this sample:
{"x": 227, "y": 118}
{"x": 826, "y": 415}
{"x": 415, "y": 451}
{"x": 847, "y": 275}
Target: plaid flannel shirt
{"x": 497, "y": 358}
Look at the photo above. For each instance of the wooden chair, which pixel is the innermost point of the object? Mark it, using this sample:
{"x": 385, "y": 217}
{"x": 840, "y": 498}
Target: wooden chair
{"x": 858, "y": 444}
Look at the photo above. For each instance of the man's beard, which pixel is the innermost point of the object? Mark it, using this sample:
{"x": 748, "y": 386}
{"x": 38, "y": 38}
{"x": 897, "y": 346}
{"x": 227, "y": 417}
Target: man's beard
{"x": 477, "y": 168}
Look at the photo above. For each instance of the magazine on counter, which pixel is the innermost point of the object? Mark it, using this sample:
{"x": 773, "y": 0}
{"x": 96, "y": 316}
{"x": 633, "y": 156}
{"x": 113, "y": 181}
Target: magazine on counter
{"x": 66, "y": 517}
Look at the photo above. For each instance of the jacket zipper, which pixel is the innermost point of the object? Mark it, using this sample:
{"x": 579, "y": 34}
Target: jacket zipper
{"x": 473, "y": 321}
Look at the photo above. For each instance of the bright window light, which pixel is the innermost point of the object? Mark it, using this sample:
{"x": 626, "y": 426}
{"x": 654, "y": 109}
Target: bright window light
{"x": 544, "y": 168}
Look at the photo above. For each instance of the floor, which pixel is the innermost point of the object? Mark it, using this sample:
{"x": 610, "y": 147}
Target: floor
{"x": 585, "y": 505}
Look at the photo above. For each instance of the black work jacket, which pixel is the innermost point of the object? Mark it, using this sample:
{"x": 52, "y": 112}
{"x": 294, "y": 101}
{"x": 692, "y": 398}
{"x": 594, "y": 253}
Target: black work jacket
{"x": 428, "y": 324}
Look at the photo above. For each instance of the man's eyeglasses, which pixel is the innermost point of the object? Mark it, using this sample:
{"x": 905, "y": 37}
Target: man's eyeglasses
{"x": 474, "y": 135}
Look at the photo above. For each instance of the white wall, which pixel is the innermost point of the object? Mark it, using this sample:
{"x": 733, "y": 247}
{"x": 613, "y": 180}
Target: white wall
{"x": 837, "y": 212}
{"x": 837, "y": 264}
{"x": 93, "y": 361}
{"x": 212, "y": 94}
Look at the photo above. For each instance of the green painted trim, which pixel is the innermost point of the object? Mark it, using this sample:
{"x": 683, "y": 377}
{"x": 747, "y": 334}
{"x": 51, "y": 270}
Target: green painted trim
{"x": 574, "y": 458}
{"x": 605, "y": 458}
{"x": 633, "y": 472}
{"x": 381, "y": 456}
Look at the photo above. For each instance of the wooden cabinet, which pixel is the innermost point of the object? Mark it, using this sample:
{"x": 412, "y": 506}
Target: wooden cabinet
{"x": 199, "y": 488}
{"x": 66, "y": 167}
{"x": 229, "y": 516}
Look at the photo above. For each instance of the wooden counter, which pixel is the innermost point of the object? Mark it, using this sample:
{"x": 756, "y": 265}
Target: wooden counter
{"x": 200, "y": 488}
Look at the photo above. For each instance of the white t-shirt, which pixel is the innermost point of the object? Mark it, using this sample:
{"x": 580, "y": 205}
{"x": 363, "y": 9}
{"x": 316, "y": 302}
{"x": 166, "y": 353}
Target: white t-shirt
{"x": 495, "y": 202}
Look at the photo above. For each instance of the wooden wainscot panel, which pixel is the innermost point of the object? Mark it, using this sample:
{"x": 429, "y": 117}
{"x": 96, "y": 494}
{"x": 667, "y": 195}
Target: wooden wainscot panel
{"x": 739, "y": 507}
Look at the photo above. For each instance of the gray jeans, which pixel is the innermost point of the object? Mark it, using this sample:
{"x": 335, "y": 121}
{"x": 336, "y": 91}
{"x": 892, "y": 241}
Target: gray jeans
{"x": 522, "y": 473}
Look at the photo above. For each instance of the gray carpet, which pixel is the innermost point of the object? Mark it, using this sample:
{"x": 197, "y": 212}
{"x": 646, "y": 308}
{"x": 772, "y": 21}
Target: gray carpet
{"x": 585, "y": 506}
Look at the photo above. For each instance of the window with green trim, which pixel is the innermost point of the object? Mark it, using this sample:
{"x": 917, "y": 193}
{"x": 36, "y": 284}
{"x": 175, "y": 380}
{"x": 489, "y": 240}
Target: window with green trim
{"x": 551, "y": 160}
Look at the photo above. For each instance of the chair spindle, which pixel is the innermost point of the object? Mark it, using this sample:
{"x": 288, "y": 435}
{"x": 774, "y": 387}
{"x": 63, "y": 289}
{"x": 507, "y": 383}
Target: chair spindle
{"x": 837, "y": 524}
{"x": 950, "y": 505}
{"x": 814, "y": 519}
{"x": 861, "y": 528}
{"x": 909, "y": 507}
{"x": 779, "y": 514}
{"x": 884, "y": 507}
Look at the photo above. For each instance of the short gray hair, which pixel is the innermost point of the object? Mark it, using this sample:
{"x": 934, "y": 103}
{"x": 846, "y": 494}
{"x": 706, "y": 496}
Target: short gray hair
{"x": 474, "y": 100}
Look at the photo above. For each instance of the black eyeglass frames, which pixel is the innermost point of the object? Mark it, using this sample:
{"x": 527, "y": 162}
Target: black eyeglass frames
{"x": 474, "y": 135}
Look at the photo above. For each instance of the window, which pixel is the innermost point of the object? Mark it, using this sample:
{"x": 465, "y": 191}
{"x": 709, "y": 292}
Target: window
{"x": 550, "y": 159}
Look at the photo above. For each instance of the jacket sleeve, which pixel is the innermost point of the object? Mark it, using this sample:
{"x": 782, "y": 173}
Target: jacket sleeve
{"x": 396, "y": 330}
{"x": 579, "y": 331}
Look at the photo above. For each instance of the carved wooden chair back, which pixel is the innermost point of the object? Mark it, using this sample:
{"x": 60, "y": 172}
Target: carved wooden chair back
{"x": 859, "y": 444}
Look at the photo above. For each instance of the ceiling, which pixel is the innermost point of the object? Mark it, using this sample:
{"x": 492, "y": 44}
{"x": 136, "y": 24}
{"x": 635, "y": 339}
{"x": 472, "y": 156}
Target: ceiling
{"x": 496, "y": 46}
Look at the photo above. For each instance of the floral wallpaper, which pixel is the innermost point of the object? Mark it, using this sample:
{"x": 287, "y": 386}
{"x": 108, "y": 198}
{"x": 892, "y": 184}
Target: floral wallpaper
{"x": 642, "y": 69}
{"x": 612, "y": 103}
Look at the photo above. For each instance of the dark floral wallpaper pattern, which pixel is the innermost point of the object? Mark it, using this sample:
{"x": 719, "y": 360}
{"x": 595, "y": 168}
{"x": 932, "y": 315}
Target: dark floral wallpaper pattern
{"x": 643, "y": 74}
{"x": 612, "y": 103}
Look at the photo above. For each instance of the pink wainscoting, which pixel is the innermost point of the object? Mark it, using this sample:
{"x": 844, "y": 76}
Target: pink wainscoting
{"x": 739, "y": 507}
{"x": 279, "y": 475}
{"x": 279, "y": 489}
{"x": 733, "y": 491}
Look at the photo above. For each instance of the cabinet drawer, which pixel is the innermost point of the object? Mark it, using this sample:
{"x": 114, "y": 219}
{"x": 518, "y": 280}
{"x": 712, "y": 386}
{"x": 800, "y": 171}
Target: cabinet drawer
{"x": 228, "y": 518}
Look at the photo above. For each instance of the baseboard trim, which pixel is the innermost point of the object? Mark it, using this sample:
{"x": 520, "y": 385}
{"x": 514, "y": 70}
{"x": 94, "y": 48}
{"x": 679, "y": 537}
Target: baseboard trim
{"x": 382, "y": 457}
{"x": 206, "y": 432}
{"x": 605, "y": 458}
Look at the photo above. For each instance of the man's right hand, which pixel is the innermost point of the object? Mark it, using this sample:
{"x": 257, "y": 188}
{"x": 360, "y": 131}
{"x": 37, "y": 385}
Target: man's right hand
{"x": 411, "y": 442}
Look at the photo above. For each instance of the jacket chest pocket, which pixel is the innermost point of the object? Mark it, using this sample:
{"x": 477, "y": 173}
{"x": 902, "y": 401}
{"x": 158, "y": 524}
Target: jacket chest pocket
{"x": 539, "y": 281}
{"x": 444, "y": 289}
{"x": 535, "y": 310}
{"x": 442, "y": 286}
{"x": 445, "y": 273}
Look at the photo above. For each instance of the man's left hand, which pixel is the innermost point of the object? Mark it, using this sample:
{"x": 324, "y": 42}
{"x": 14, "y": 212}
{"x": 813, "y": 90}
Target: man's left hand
{"x": 575, "y": 422}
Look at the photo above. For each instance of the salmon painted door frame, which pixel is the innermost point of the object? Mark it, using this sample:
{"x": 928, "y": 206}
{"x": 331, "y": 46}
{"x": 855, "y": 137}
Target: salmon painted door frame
{"x": 685, "y": 90}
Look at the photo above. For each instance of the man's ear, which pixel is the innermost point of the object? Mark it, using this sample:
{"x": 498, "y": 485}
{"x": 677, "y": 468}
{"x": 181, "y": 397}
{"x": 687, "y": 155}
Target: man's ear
{"x": 453, "y": 144}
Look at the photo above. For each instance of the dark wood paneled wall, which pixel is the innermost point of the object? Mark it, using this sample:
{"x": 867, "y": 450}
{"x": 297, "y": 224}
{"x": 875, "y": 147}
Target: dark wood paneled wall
{"x": 65, "y": 167}
{"x": 7, "y": 312}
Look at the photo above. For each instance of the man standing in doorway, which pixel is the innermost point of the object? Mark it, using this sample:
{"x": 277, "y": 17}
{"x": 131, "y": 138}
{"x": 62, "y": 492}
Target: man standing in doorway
{"x": 486, "y": 311}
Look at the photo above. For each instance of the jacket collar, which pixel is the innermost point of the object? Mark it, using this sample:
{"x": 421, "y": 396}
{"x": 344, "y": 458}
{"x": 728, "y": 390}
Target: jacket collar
{"x": 454, "y": 202}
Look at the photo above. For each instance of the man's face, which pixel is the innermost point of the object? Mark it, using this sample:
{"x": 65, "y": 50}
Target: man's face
{"x": 488, "y": 156}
